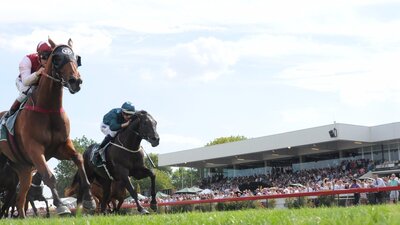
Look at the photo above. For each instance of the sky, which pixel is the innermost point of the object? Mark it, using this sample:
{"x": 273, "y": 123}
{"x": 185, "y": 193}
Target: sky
{"x": 208, "y": 69}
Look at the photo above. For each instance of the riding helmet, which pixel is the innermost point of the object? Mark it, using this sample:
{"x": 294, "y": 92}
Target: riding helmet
{"x": 128, "y": 108}
{"x": 43, "y": 47}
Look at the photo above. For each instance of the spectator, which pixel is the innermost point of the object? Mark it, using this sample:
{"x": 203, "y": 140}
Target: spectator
{"x": 356, "y": 199}
{"x": 378, "y": 182}
{"x": 394, "y": 195}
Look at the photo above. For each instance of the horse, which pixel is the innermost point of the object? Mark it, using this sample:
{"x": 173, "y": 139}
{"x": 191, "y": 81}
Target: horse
{"x": 8, "y": 186}
{"x": 36, "y": 193}
{"x": 42, "y": 129}
{"x": 124, "y": 158}
{"x": 118, "y": 194}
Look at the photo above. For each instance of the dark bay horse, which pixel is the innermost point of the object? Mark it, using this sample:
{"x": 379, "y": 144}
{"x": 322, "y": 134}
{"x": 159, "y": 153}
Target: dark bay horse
{"x": 35, "y": 193}
{"x": 125, "y": 158}
{"x": 42, "y": 129}
{"x": 8, "y": 186}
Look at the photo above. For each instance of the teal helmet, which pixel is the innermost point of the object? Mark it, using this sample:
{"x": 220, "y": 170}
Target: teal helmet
{"x": 128, "y": 108}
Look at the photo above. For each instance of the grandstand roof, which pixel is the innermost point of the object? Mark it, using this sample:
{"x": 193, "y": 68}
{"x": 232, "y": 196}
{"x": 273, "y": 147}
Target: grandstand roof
{"x": 309, "y": 141}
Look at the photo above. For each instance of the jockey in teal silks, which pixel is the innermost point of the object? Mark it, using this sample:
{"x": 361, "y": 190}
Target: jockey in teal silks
{"x": 115, "y": 120}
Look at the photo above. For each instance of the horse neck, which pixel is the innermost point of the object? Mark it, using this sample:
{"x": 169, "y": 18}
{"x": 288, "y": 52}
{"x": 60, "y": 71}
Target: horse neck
{"x": 49, "y": 92}
{"x": 129, "y": 139}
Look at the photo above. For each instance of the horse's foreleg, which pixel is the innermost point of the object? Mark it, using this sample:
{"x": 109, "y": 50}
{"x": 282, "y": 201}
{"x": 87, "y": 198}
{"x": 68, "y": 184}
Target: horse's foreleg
{"x": 49, "y": 179}
{"x": 145, "y": 172}
{"x": 153, "y": 202}
{"x": 47, "y": 208}
{"x": 132, "y": 191}
{"x": 25, "y": 178}
{"x": 106, "y": 185}
{"x": 68, "y": 152}
{"x": 33, "y": 207}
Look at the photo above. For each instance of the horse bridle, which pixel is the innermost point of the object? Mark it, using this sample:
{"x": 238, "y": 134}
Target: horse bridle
{"x": 121, "y": 145}
{"x": 68, "y": 56}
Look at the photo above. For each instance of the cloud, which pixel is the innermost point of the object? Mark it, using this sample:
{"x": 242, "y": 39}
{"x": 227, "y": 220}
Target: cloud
{"x": 202, "y": 59}
{"x": 86, "y": 39}
{"x": 360, "y": 81}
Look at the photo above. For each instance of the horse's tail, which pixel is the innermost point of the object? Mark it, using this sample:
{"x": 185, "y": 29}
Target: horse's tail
{"x": 74, "y": 187}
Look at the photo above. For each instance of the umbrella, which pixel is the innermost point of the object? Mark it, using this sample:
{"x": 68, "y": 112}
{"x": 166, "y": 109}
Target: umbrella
{"x": 196, "y": 189}
{"x": 188, "y": 191}
{"x": 206, "y": 191}
{"x": 296, "y": 185}
{"x": 140, "y": 197}
{"x": 161, "y": 195}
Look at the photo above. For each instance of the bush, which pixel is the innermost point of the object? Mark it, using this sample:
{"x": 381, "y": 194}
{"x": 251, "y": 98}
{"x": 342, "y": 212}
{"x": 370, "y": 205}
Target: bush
{"x": 181, "y": 208}
{"x": 295, "y": 202}
{"x": 238, "y": 205}
{"x": 269, "y": 203}
{"x": 326, "y": 200}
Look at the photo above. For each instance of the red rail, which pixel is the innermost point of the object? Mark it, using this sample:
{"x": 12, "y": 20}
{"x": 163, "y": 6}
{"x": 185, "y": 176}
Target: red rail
{"x": 252, "y": 198}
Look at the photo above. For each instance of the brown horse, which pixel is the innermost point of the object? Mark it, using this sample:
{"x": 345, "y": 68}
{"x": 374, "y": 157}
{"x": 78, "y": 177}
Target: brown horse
{"x": 124, "y": 158}
{"x": 42, "y": 129}
{"x": 117, "y": 195}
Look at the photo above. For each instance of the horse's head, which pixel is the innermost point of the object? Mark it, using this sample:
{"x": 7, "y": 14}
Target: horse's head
{"x": 37, "y": 179}
{"x": 65, "y": 66}
{"x": 145, "y": 126}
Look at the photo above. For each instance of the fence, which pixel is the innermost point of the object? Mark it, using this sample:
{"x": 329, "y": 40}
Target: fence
{"x": 345, "y": 194}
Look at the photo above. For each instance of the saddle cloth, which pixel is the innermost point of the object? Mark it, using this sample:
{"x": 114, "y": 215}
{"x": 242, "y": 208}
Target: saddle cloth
{"x": 98, "y": 157}
{"x": 7, "y": 125}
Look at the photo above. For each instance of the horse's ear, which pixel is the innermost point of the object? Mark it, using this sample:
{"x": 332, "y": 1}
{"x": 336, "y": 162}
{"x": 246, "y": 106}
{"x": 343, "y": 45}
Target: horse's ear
{"x": 52, "y": 44}
{"x": 70, "y": 43}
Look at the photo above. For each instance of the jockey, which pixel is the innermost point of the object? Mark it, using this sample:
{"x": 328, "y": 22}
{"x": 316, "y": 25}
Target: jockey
{"x": 30, "y": 69}
{"x": 115, "y": 120}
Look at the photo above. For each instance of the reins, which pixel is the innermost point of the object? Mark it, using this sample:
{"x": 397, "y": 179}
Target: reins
{"x": 125, "y": 148}
{"x": 61, "y": 81}
{"x": 133, "y": 151}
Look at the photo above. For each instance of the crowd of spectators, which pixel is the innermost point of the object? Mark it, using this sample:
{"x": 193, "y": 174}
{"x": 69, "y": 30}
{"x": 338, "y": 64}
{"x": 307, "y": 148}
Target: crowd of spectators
{"x": 283, "y": 180}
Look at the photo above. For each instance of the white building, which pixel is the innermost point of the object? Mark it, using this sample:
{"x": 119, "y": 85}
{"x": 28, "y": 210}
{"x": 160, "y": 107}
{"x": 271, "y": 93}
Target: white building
{"x": 316, "y": 147}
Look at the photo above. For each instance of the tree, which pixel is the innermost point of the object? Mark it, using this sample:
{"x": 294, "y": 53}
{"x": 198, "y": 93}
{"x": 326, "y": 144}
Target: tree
{"x": 163, "y": 181}
{"x": 154, "y": 158}
{"x": 185, "y": 177}
{"x": 66, "y": 169}
{"x": 222, "y": 140}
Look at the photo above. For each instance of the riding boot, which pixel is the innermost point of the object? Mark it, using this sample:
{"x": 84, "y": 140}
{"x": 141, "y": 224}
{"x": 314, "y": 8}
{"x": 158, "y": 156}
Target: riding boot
{"x": 107, "y": 139}
{"x": 15, "y": 106}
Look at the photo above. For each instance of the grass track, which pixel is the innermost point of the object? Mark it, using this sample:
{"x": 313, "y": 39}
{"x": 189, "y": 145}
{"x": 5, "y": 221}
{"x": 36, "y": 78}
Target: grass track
{"x": 384, "y": 214}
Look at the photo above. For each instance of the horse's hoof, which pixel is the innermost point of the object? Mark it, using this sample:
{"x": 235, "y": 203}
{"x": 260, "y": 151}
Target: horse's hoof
{"x": 144, "y": 211}
{"x": 89, "y": 205}
{"x": 63, "y": 210}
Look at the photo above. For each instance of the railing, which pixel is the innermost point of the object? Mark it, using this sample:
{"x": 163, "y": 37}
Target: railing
{"x": 275, "y": 196}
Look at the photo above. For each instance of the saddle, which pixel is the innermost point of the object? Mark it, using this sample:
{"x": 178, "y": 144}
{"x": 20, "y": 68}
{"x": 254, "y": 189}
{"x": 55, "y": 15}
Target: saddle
{"x": 7, "y": 125}
{"x": 98, "y": 157}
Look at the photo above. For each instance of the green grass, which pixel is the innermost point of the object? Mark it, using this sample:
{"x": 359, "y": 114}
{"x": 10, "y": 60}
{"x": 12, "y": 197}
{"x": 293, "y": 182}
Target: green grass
{"x": 383, "y": 214}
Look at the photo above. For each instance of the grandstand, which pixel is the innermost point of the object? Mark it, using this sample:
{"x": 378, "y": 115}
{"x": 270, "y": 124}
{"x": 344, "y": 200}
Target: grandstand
{"x": 312, "y": 148}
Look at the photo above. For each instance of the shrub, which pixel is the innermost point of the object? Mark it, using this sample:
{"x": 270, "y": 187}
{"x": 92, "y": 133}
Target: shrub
{"x": 295, "y": 202}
